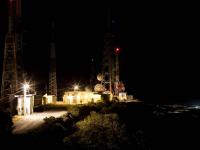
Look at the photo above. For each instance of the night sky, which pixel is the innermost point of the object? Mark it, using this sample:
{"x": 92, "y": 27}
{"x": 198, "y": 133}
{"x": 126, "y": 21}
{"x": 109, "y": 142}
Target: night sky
{"x": 160, "y": 43}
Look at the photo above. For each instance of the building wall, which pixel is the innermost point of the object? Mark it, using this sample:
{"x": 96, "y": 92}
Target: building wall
{"x": 80, "y": 97}
{"x": 122, "y": 96}
{"x": 49, "y": 99}
{"x": 26, "y": 105}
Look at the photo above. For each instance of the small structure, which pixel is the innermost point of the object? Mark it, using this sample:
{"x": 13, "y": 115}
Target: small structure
{"x": 49, "y": 99}
{"x": 38, "y": 100}
{"x": 122, "y": 96}
{"x": 25, "y": 104}
{"x": 80, "y": 97}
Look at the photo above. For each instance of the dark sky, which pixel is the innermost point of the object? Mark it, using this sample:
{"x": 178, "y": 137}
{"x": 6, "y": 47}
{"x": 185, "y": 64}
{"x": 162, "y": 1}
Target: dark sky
{"x": 160, "y": 44}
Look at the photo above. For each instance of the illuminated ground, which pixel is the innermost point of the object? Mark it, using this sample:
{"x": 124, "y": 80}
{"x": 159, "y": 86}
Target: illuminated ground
{"x": 23, "y": 124}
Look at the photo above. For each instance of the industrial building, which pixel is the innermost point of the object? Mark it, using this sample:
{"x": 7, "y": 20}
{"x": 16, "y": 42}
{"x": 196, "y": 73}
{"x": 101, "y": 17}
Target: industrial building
{"x": 49, "y": 99}
{"x": 25, "y": 104}
{"x": 80, "y": 97}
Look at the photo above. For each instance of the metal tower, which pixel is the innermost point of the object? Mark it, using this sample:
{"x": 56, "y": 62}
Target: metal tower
{"x": 117, "y": 80}
{"x": 108, "y": 68}
{"x": 108, "y": 62}
{"x": 12, "y": 63}
{"x": 52, "y": 74}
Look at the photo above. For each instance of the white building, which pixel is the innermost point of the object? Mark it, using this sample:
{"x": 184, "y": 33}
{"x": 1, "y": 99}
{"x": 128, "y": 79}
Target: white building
{"x": 25, "y": 106}
{"x": 122, "y": 96}
{"x": 80, "y": 97}
{"x": 49, "y": 99}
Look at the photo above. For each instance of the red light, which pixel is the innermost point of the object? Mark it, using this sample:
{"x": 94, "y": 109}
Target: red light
{"x": 117, "y": 50}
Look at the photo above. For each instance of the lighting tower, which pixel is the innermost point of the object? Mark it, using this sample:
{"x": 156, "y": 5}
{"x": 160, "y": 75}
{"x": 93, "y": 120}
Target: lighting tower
{"x": 52, "y": 74}
{"x": 108, "y": 62}
{"x": 12, "y": 61}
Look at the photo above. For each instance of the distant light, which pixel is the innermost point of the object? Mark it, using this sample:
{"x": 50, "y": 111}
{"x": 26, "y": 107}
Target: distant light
{"x": 113, "y": 21}
{"x": 117, "y": 50}
{"x": 76, "y": 87}
{"x": 196, "y": 107}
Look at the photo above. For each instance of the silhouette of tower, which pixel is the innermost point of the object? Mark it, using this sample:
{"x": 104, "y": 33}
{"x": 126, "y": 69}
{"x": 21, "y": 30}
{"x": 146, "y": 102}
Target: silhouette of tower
{"x": 12, "y": 62}
{"x": 117, "y": 80}
{"x": 108, "y": 62}
{"x": 92, "y": 73}
{"x": 52, "y": 74}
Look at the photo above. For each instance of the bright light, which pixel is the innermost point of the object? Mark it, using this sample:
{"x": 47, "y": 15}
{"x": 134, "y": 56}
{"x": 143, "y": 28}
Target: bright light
{"x": 78, "y": 97}
{"x": 117, "y": 50}
{"x": 26, "y": 86}
{"x": 86, "y": 96}
{"x": 76, "y": 87}
{"x": 70, "y": 97}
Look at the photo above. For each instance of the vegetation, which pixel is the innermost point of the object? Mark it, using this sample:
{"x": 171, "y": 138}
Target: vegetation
{"x": 101, "y": 131}
{"x": 114, "y": 126}
{"x": 5, "y": 127}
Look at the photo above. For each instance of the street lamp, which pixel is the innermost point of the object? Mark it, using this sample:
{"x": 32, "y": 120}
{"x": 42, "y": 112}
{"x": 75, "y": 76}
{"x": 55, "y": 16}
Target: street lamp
{"x": 76, "y": 87}
{"x": 26, "y": 87}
